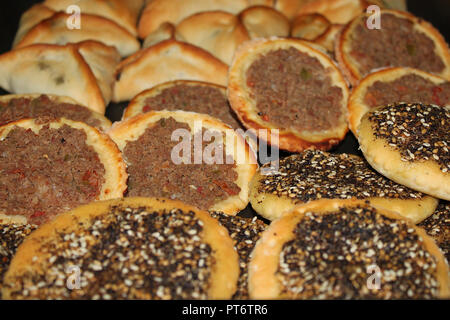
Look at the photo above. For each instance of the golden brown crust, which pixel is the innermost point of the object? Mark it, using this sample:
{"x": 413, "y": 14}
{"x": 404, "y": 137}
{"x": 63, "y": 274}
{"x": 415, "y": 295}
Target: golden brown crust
{"x": 424, "y": 176}
{"x": 102, "y": 60}
{"x": 336, "y": 11}
{"x": 109, "y": 155}
{"x": 132, "y": 128}
{"x": 263, "y": 284}
{"x": 217, "y": 32}
{"x": 309, "y": 26}
{"x": 124, "y": 13}
{"x": 290, "y": 8}
{"x": 53, "y": 30}
{"x": 350, "y": 67}
{"x": 61, "y": 70}
{"x": 328, "y": 39}
{"x": 30, "y": 18}
{"x": 166, "y": 61}
{"x": 165, "y": 31}
{"x": 173, "y": 11}
{"x": 225, "y": 270}
{"x": 239, "y": 97}
{"x": 356, "y": 105}
{"x": 138, "y": 102}
{"x": 264, "y": 22}
{"x": 272, "y": 206}
{"x": 105, "y": 123}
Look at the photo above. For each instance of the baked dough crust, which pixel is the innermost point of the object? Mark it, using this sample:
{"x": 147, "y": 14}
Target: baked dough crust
{"x": 217, "y": 32}
{"x": 225, "y": 270}
{"x": 30, "y": 18}
{"x": 309, "y": 26}
{"x": 109, "y": 155}
{"x": 264, "y": 22}
{"x": 272, "y": 206}
{"x": 54, "y": 31}
{"x": 173, "y": 11}
{"x": 246, "y": 165}
{"x": 166, "y": 61}
{"x": 137, "y": 104}
{"x": 105, "y": 123}
{"x": 350, "y": 66}
{"x": 244, "y": 106}
{"x": 165, "y": 31}
{"x": 336, "y": 11}
{"x": 81, "y": 71}
{"x": 329, "y": 37}
{"x": 102, "y": 60}
{"x": 124, "y": 13}
{"x": 424, "y": 176}
{"x": 263, "y": 283}
{"x": 290, "y": 8}
{"x": 221, "y": 32}
{"x": 356, "y": 105}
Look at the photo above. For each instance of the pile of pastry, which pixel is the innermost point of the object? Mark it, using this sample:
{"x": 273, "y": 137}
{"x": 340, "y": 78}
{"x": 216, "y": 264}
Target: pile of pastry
{"x": 148, "y": 207}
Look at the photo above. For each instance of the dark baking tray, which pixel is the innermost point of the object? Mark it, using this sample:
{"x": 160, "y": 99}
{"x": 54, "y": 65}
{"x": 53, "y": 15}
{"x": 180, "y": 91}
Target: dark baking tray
{"x": 435, "y": 11}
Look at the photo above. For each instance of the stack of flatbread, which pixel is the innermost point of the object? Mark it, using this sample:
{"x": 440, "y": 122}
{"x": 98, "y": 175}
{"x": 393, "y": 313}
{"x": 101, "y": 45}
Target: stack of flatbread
{"x": 71, "y": 49}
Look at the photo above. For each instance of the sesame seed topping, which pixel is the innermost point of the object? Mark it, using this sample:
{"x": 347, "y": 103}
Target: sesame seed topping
{"x": 244, "y": 232}
{"x": 419, "y": 132}
{"x": 336, "y": 263}
{"x": 315, "y": 174}
{"x": 11, "y": 236}
{"x": 438, "y": 227}
{"x": 117, "y": 264}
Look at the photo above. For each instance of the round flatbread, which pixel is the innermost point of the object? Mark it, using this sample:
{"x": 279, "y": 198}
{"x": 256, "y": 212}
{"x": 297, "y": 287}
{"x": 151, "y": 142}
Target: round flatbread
{"x": 314, "y": 175}
{"x": 132, "y": 248}
{"x": 287, "y": 85}
{"x": 331, "y": 249}
{"x": 14, "y": 107}
{"x": 402, "y": 40}
{"x": 186, "y": 95}
{"x": 408, "y": 143}
{"x": 48, "y": 167}
{"x": 186, "y": 156}
{"x": 393, "y": 85}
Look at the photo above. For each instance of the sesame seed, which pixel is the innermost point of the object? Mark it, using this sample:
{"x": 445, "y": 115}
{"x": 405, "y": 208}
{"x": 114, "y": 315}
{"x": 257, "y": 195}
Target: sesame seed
{"x": 112, "y": 265}
{"x": 415, "y": 143}
{"x": 340, "y": 176}
{"x": 320, "y": 264}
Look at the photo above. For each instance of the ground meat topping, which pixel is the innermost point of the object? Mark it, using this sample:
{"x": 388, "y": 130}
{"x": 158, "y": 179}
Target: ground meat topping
{"x": 315, "y": 174}
{"x": 11, "y": 236}
{"x": 44, "y": 174}
{"x": 43, "y": 106}
{"x": 244, "y": 232}
{"x": 330, "y": 256}
{"x": 410, "y": 88}
{"x": 152, "y": 172}
{"x": 438, "y": 227}
{"x": 397, "y": 43}
{"x": 419, "y": 132}
{"x": 201, "y": 99}
{"x": 128, "y": 254}
{"x": 293, "y": 89}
